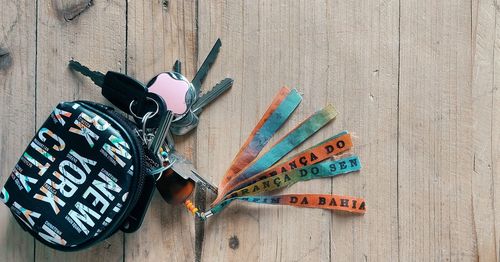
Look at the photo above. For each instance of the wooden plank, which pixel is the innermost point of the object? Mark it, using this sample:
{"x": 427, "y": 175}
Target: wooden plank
{"x": 159, "y": 32}
{"x": 340, "y": 52}
{"x": 93, "y": 32}
{"x": 495, "y": 141}
{"x": 435, "y": 154}
{"x": 363, "y": 46}
{"x": 234, "y": 234}
{"x": 17, "y": 92}
{"x": 485, "y": 139}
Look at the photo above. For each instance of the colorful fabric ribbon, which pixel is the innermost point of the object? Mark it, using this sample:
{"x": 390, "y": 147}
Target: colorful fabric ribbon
{"x": 254, "y": 171}
{"x": 286, "y": 179}
{"x": 322, "y": 201}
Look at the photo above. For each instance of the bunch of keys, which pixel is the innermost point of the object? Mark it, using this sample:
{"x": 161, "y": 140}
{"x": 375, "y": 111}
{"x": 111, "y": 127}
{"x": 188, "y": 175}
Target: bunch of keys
{"x": 168, "y": 104}
{"x": 182, "y": 96}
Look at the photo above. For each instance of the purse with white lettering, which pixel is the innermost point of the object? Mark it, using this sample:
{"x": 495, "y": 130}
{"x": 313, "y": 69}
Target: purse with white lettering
{"x": 83, "y": 177}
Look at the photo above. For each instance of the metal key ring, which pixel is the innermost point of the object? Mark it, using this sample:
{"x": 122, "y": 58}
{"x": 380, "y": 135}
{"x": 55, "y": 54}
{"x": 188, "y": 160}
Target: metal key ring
{"x": 151, "y": 116}
{"x": 144, "y": 120}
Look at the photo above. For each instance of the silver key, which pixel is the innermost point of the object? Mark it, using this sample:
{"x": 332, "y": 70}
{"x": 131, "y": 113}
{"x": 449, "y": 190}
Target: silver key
{"x": 186, "y": 170}
{"x": 211, "y": 95}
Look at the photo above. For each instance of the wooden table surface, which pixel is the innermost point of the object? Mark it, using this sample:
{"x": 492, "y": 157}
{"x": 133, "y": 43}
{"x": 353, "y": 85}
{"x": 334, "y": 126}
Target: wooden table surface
{"x": 416, "y": 82}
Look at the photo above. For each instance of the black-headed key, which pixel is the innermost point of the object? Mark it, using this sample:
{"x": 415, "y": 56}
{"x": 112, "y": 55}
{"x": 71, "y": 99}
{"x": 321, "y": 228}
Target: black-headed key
{"x": 124, "y": 92}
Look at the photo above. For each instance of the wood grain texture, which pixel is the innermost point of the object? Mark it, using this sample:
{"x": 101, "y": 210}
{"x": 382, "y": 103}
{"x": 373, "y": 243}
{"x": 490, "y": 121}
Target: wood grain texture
{"x": 485, "y": 111}
{"x": 339, "y": 52}
{"x": 95, "y": 37}
{"x": 158, "y": 34}
{"x": 363, "y": 50}
{"x": 435, "y": 130}
{"x": 17, "y": 110}
{"x": 415, "y": 81}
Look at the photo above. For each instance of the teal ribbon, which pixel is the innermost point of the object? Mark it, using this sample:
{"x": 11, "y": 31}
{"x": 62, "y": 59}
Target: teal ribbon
{"x": 275, "y": 121}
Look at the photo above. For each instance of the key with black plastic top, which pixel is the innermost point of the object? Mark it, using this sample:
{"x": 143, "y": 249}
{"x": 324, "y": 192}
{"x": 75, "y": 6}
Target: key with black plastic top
{"x": 124, "y": 92}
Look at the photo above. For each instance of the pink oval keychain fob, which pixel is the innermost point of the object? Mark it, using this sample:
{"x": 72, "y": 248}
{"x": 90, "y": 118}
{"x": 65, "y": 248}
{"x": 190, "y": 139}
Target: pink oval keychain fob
{"x": 178, "y": 93}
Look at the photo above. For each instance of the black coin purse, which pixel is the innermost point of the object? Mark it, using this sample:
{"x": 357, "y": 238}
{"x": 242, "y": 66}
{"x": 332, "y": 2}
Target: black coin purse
{"x": 83, "y": 177}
